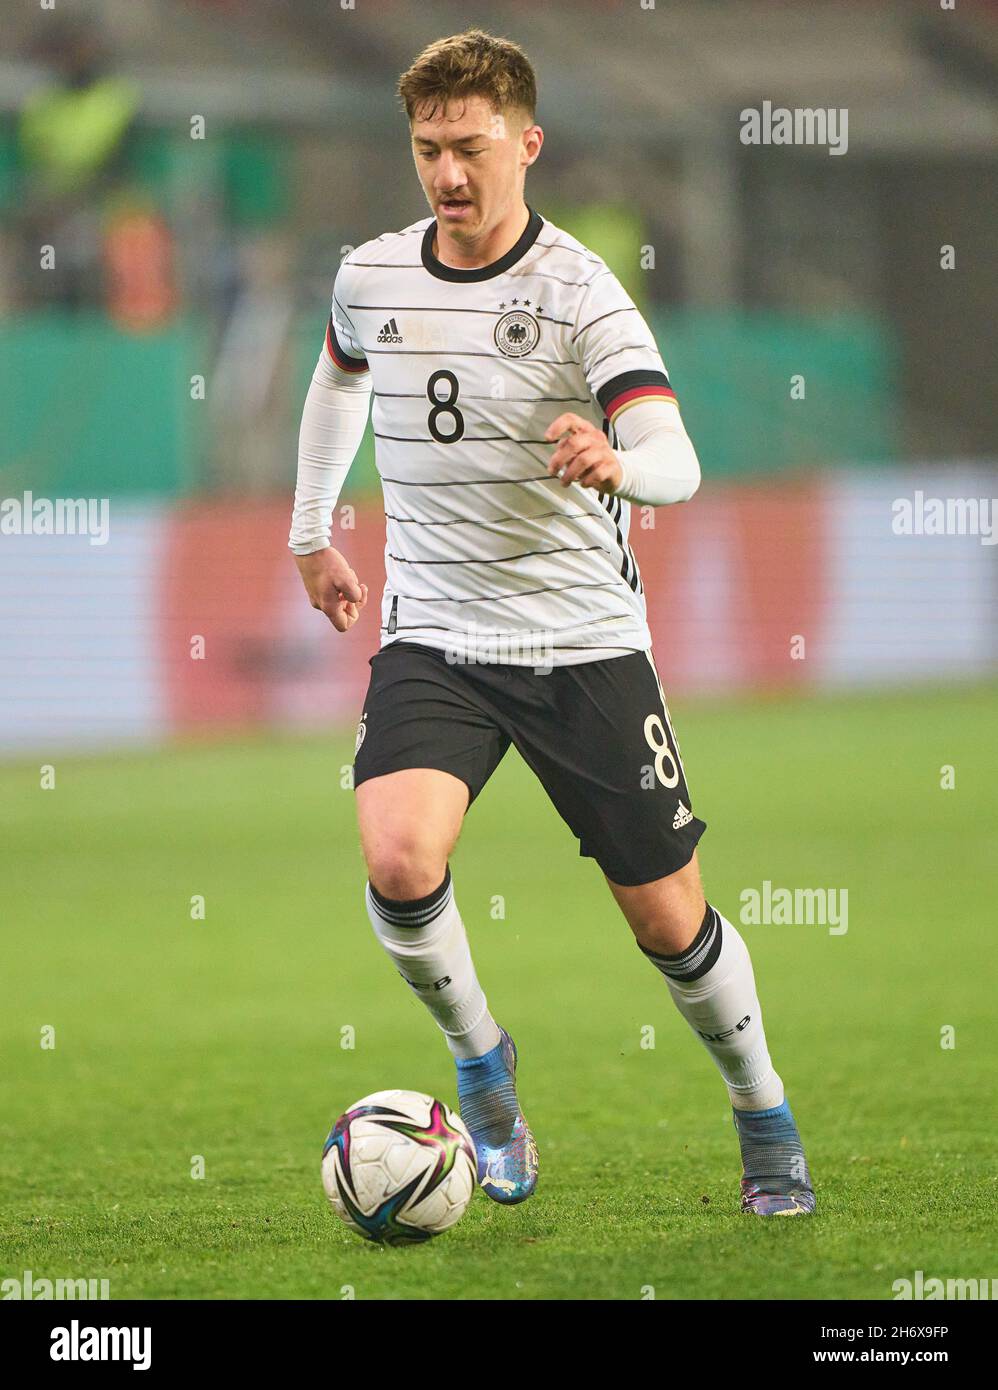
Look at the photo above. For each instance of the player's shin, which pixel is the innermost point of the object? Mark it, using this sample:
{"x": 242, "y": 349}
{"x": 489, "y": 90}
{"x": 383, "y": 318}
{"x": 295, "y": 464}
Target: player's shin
{"x": 713, "y": 987}
{"x": 426, "y": 940}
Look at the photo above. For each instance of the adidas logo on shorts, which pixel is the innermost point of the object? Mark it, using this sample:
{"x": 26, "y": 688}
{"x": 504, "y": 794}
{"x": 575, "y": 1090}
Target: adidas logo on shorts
{"x": 390, "y": 333}
{"x": 682, "y": 817}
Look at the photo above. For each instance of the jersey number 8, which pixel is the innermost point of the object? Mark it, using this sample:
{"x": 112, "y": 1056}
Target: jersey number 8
{"x": 447, "y": 406}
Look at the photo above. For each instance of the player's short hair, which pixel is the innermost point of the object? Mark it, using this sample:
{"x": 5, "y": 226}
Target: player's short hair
{"x": 465, "y": 65}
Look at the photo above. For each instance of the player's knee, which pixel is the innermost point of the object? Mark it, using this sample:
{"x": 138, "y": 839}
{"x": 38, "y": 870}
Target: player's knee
{"x": 666, "y": 915}
{"x": 406, "y": 870}
{"x": 674, "y": 926}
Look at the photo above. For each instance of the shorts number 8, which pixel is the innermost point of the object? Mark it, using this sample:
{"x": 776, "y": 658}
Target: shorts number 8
{"x": 660, "y": 746}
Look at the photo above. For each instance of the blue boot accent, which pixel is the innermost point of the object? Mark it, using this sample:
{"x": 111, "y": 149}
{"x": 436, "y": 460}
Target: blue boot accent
{"x": 776, "y": 1180}
{"x": 507, "y": 1154}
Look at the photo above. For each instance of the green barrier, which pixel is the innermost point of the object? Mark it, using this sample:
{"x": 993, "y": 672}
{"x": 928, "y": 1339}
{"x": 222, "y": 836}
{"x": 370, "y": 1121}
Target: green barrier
{"x": 89, "y": 410}
{"x": 769, "y": 393}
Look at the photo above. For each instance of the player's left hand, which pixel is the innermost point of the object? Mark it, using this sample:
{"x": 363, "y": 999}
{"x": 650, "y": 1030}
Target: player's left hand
{"x": 583, "y": 454}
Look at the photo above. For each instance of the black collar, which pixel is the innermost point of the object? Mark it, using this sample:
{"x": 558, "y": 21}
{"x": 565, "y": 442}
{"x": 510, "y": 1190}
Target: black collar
{"x": 482, "y": 272}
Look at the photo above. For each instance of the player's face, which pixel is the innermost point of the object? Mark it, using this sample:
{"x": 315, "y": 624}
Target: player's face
{"x": 472, "y": 162}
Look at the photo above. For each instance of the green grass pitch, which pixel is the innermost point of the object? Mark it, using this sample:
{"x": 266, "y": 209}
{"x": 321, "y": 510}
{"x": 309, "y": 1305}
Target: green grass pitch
{"x": 222, "y": 1038}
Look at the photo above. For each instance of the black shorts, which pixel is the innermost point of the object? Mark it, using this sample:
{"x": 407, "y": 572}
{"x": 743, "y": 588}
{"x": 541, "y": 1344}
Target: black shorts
{"x": 597, "y": 735}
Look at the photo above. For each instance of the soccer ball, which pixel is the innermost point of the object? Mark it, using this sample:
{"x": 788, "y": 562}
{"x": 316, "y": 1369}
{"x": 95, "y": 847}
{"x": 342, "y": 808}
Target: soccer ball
{"x": 399, "y": 1167}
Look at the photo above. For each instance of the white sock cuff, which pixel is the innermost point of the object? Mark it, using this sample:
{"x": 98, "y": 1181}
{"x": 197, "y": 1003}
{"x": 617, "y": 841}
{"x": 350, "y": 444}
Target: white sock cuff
{"x": 394, "y": 921}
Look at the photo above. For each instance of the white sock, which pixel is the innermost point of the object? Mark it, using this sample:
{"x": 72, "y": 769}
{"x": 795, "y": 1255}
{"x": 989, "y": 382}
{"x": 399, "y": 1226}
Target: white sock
{"x": 427, "y": 941}
{"x": 714, "y": 990}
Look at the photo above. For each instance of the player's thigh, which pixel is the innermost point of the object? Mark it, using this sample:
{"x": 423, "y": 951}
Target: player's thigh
{"x": 409, "y": 823}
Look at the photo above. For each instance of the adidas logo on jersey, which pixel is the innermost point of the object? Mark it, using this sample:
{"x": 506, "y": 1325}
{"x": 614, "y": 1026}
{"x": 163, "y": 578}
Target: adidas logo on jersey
{"x": 682, "y": 817}
{"x": 390, "y": 333}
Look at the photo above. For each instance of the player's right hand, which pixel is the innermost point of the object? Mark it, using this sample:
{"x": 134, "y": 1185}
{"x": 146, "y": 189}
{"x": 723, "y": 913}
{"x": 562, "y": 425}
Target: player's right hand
{"x": 332, "y": 587}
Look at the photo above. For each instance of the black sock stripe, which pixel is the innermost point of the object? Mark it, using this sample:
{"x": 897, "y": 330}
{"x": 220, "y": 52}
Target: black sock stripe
{"x": 416, "y": 912}
{"x": 699, "y": 957}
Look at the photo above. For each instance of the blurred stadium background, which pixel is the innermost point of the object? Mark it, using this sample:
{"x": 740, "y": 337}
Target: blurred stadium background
{"x": 181, "y": 259}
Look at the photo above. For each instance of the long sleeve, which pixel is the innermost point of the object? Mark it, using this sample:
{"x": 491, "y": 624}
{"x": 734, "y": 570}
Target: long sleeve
{"x": 623, "y": 367}
{"x": 659, "y": 462}
{"x": 332, "y": 423}
{"x": 332, "y": 426}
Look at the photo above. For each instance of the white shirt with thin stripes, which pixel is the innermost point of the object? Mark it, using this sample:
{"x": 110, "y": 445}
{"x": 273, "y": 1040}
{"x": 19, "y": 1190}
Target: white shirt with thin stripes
{"x": 488, "y": 557}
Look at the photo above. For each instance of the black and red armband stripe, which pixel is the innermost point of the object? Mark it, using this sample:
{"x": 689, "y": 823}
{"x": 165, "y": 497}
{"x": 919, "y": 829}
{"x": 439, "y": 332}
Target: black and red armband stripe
{"x": 630, "y": 387}
{"x": 338, "y": 353}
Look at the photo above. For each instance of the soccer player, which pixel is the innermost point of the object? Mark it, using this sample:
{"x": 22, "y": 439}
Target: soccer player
{"x": 520, "y": 406}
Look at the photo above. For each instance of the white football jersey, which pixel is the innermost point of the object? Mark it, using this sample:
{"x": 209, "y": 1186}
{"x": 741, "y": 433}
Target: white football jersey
{"x": 487, "y": 556}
